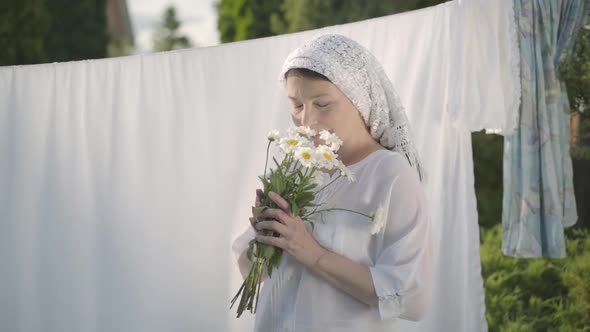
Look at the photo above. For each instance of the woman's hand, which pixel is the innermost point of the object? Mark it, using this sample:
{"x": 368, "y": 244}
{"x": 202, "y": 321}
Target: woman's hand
{"x": 257, "y": 203}
{"x": 295, "y": 238}
{"x": 341, "y": 272}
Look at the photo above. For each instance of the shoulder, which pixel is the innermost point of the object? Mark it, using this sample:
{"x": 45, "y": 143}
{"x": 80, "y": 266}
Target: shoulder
{"x": 391, "y": 164}
{"x": 397, "y": 179}
{"x": 384, "y": 169}
{"x": 391, "y": 170}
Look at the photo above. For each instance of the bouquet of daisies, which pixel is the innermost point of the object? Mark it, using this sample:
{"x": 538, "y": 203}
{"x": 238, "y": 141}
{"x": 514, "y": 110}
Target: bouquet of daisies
{"x": 294, "y": 179}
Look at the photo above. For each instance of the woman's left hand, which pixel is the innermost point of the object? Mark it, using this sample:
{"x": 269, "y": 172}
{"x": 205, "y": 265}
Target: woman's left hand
{"x": 295, "y": 238}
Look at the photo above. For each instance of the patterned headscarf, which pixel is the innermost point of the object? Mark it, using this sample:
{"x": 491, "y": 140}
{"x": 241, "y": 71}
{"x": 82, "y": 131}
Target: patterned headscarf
{"x": 361, "y": 78}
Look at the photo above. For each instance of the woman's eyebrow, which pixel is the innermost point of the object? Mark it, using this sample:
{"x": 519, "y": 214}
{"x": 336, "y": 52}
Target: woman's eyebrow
{"x": 316, "y": 96}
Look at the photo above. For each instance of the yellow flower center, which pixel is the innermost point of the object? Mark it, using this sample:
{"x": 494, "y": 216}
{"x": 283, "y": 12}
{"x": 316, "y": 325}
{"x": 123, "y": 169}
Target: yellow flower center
{"x": 306, "y": 155}
{"x": 327, "y": 156}
{"x": 293, "y": 142}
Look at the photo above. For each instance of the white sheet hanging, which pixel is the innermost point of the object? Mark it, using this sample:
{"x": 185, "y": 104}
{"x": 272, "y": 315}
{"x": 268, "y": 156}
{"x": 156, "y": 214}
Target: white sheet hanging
{"x": 124, "y": 180}
{"x": 484, "y": 51}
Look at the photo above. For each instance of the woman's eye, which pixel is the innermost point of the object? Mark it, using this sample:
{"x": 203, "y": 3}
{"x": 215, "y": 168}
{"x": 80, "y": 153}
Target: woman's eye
{"x": 323, "y": 105}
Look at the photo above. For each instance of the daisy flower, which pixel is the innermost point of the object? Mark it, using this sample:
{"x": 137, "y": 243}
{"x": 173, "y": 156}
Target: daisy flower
{"x": 273, "y": 135}
{"x": 331, "y": 140}
{"x": 318, "y": 178}
{"x": 292, "y": 142}
{"x": 326, "y": 157}
{"x": 306, "y": 156}
{"x": 344, "y": 171}
{"x": 378, "y": 219}
{"x": 304, "y": 131}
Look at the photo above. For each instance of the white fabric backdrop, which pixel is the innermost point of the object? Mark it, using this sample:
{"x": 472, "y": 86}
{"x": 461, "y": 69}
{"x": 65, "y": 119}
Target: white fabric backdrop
{"x": 123, "y": 181}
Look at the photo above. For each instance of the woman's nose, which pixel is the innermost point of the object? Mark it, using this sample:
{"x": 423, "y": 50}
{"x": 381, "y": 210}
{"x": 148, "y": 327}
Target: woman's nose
{"x": 308, "y": 117}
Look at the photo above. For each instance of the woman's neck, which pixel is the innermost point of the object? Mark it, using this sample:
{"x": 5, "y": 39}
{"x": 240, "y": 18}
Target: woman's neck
{"x": 354, "y": 156}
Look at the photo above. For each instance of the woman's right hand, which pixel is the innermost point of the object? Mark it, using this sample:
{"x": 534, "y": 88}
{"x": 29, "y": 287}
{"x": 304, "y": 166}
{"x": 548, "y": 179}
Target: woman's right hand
{"x": 257, "y": 203}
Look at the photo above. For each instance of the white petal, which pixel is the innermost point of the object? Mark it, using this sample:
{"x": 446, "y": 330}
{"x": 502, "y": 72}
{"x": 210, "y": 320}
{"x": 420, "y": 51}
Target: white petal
{"x": 378, "y": 220}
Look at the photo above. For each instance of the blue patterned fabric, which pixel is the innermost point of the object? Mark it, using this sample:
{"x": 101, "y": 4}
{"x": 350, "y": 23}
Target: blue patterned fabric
{"x": 539, "y": 197}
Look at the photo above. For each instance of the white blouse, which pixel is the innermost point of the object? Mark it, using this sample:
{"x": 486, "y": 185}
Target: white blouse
{"x": 398, "y": 255}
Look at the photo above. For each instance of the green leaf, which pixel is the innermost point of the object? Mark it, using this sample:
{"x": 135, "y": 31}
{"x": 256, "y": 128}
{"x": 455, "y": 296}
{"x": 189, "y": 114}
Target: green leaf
{"x": 277, "y": 163}
{"x": 280, "y": 185}
{"x": 277, "y": 183}
{"x": 269, "y": 270}
{"x": 250, "y": 251}
{"x": 256, "y": 211}
{"x": 274, "y": 182}
{"x": 300, "y": 173}
{"x": 275, "y": 260}
{"x": 265, "y": 183}
{"x": 294, "y": 208}
{"x": 306, "y": 197}
{"x": 310, "y": 186}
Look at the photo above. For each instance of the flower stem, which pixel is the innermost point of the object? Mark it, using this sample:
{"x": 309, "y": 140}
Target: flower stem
{"x": 324, "y": 187}
{"x": 266, "y": 162}
{"x": 341, "y": 209}
{"x": 250, "y": 289}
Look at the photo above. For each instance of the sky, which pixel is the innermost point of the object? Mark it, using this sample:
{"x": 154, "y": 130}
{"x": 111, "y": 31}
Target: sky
{"x": 198, "y": 20}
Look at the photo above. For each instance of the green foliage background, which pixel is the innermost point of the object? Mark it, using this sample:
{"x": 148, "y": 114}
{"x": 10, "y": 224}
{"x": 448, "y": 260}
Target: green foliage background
{"x": 167, "y": 36}
{"x": 537, "y": 294}
{"x": 39, "y": 31}
{"x": 248, "y": 19}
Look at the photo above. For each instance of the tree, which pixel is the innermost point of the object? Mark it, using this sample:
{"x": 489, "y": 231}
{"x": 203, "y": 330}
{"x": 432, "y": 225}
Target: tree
{"x": 23, "y": 29}
{"x": 78, "y": 30}
{"x": 245, "y": 19}
{"x": 487, "y": 168}
{"x": 167, "y": 36}
{"x": 575, "y": 72}
{"x": 249, "y": 19}
{"x": 300, "y": 15}
{"x": 36, "y": 31}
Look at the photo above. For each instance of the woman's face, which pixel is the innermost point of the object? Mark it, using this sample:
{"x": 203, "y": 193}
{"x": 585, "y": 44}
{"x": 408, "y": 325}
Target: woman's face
{"x": 320, "y": 105}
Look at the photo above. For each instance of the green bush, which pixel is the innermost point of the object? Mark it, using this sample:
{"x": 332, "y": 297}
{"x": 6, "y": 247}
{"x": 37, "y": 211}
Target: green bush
{"x": 537, "y": 294}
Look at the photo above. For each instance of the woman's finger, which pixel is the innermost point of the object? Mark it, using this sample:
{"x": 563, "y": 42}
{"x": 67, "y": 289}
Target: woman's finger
{"x": 281, "y": 202}
{"x": 279, "y": 242}
{"x": 277, "y": 214}
{"x": 272, "y": 225}
{"x": 259, "y": 194}
{"x": 259, "y": 197}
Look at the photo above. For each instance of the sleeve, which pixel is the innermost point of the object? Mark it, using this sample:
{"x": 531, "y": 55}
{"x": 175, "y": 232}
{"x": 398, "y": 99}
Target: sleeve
{"x": 403, "y": 269}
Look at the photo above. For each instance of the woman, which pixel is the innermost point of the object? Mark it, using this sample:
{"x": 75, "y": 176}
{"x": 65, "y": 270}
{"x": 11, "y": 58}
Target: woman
{"x": 348, "y": 274}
